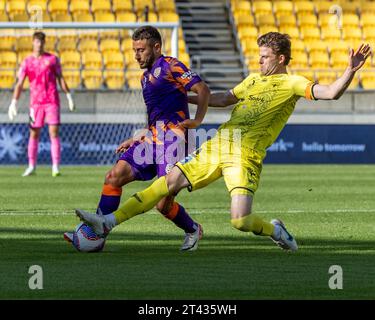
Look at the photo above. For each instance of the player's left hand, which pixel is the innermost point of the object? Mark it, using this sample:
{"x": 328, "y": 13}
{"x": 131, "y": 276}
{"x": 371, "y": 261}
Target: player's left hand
{"x": 70, "y": 102}
{"x": 189, "y": 124}
{"x": 357, "y": 59}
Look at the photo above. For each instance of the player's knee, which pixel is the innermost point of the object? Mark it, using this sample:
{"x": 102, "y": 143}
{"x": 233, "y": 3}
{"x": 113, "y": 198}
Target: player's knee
{"x": 113, "y": 179}
{"x": 243, "y": 224}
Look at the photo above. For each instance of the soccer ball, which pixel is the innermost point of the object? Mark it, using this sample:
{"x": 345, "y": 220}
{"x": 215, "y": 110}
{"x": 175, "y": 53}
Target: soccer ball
{"x": 86, "y": 240}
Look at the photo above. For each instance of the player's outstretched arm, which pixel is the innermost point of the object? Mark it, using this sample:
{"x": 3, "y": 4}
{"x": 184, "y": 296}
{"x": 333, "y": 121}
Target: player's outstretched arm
{"x": 218, "y": 99}
{"x": 336, "y": 89}
{"x": 201, "y": 100}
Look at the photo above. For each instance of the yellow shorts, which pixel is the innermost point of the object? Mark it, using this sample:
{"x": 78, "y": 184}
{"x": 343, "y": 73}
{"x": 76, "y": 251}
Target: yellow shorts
{"x": 240, "y": 167}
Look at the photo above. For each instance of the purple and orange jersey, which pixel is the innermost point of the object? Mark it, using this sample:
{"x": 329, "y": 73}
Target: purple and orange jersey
{"x": 165, "y": 88}
{"x": 42, "y": 73}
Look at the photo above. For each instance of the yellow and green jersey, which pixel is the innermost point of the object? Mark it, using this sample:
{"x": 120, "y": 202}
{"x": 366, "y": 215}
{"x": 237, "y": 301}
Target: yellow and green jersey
{"x": 264, "y": 106}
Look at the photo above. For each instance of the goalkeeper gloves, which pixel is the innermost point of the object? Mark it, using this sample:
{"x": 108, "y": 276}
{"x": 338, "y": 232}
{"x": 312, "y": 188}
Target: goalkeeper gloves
{"x": 12, "y": 111}
{"x": 70, "y": 102}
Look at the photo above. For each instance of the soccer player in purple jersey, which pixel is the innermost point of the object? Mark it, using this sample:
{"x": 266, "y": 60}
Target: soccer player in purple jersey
{"x": 165, "y": 83}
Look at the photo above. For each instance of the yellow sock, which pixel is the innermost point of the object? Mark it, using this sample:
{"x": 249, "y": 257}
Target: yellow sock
{"x": 142, "y": 201}
{"x": 254, "y": 224}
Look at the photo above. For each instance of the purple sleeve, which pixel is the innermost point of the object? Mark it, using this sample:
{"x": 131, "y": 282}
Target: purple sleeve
{"x": 184, "y": 75}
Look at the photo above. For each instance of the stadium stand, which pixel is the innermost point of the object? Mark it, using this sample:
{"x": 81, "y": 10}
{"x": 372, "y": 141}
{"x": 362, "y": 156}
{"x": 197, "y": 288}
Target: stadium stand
{"x": 85, "y": 53}
{"x": 321, "y": 32}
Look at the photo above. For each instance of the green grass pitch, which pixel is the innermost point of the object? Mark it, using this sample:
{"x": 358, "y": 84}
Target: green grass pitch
{"x": 329, "y": 208}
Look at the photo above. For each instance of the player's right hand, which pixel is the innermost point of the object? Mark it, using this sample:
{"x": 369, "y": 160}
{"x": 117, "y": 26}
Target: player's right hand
{"x": 125, "y": 145}
{"x": 12, "y": 111}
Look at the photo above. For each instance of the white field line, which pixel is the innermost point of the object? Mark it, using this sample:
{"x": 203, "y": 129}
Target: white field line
{"x": 203, "y": 211}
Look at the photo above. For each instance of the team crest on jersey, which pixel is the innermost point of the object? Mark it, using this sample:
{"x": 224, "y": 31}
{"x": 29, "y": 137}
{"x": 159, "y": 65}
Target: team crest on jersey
{"x": 157, "y": 72}
{"x": 46, "y": 62}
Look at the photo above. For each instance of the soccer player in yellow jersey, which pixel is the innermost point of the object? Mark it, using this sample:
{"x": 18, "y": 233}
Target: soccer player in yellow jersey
{"x": 263, "y": 103}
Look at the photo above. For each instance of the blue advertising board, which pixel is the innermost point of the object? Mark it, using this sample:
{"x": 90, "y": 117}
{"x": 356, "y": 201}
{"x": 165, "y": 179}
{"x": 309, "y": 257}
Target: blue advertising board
{"x": 94, "y": 144}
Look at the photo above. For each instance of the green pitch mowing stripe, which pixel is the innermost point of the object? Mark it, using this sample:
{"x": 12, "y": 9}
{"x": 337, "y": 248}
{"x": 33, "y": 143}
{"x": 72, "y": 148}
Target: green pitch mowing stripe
{"x": 330, "y": 210}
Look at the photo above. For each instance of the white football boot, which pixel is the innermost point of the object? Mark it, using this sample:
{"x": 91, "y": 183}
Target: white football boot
{"x": 30, "y": 171}
{"x": 95, "y": 221}
{"x": 283, "y": 238}
{"x": 192, "y": 239}
{"x": 55, "y": 171}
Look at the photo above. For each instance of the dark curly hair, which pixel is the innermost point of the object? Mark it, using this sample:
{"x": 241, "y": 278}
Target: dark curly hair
{"x": 149, "y": 33}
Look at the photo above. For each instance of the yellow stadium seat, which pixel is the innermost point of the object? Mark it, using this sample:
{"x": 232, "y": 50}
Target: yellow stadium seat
{"x": 15, "y": 6}
{"x": 349, "y": 6}
{"x": 72, "y": 78}
{"x": 245, "y": 21}
{"x": 2, "y": 6}
{"x": 134, "y": 84}
{"x": 283, "y": 7}
{"x": 22, "y": 56}
{"x": 126, "y": 17}
{"x": 247, "y": 32}
{"x": 299, "y": 61}
{"x": 88, "y": 45}
{"x": 19, "y": 17}
{"x": 350, "y": 20}
{"x": 88, "y": 34}
{"x": 307, "y": 74}
{"x": 369, "y": 32}
{"x": 24, "y": 44}
{"x": 36, "y": 4}
{"x": 8, "y": 60}
{"x": 61, "y": 17}
{"x": 127, "y": 45}
{"x": 50, "y": 44}
{"x": 323, "y": 6}
{"x": 262, "y": 7}
{"x": 165, "y": 6}
{"x": 286, "y": 21}
{"x": 266, "y": 29}
{"x": 92, "y": 60}
{"x": 58, "y": 6}
{"x": 70, "y": 60}
{"x": 352, "y": 34}
{"x": 265, "y": 21}
{"x": 298, "y": 46}
{"x": 100, "y": 6}
{"x": 168, "y": 17}
{"x": 316, "y": 46}
{"x": 151, "y": 17}
{"x": 242, "y": 7}
{"x": 338, "y": 46}
{"x": 66, "y": 45}
{"x": 114, "y": 79}
{"x": 367, "y": 19}
{"x": 104, "y": 17}
{"x": 327, "y": 20}
{"x": 7, "y": 44}
{"x": 132, "y": 65}
{"x": 367, "y": 79}
{"x": 325, "y": 77}
{"x": 109, "y": 45}
{"x": 92, "y": 79}
{"x": 291, "y": 31}
{"x": 339, "y": 60}
{"x": 80, "y": 6}
{"x": 83, "y": 17}
{"x": 304, "y": 7}
{"x": 7, "y": 79}
{"x": 129, "y": 57}
{"x": 4, "y": 17}
{"x": 122, "y": 6}
{"x": 367, "y": 7}
{"x": 114, "y": 60}
{"x": 319, "y": 60}
{"x": 308, "y": 21}
{"x": 309, "y": 34}
{"x": 354, "y": 85}
{"x": 184, "y": 58}
{"x": 331, "y": 34}
{"x": 140, "y": 5}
